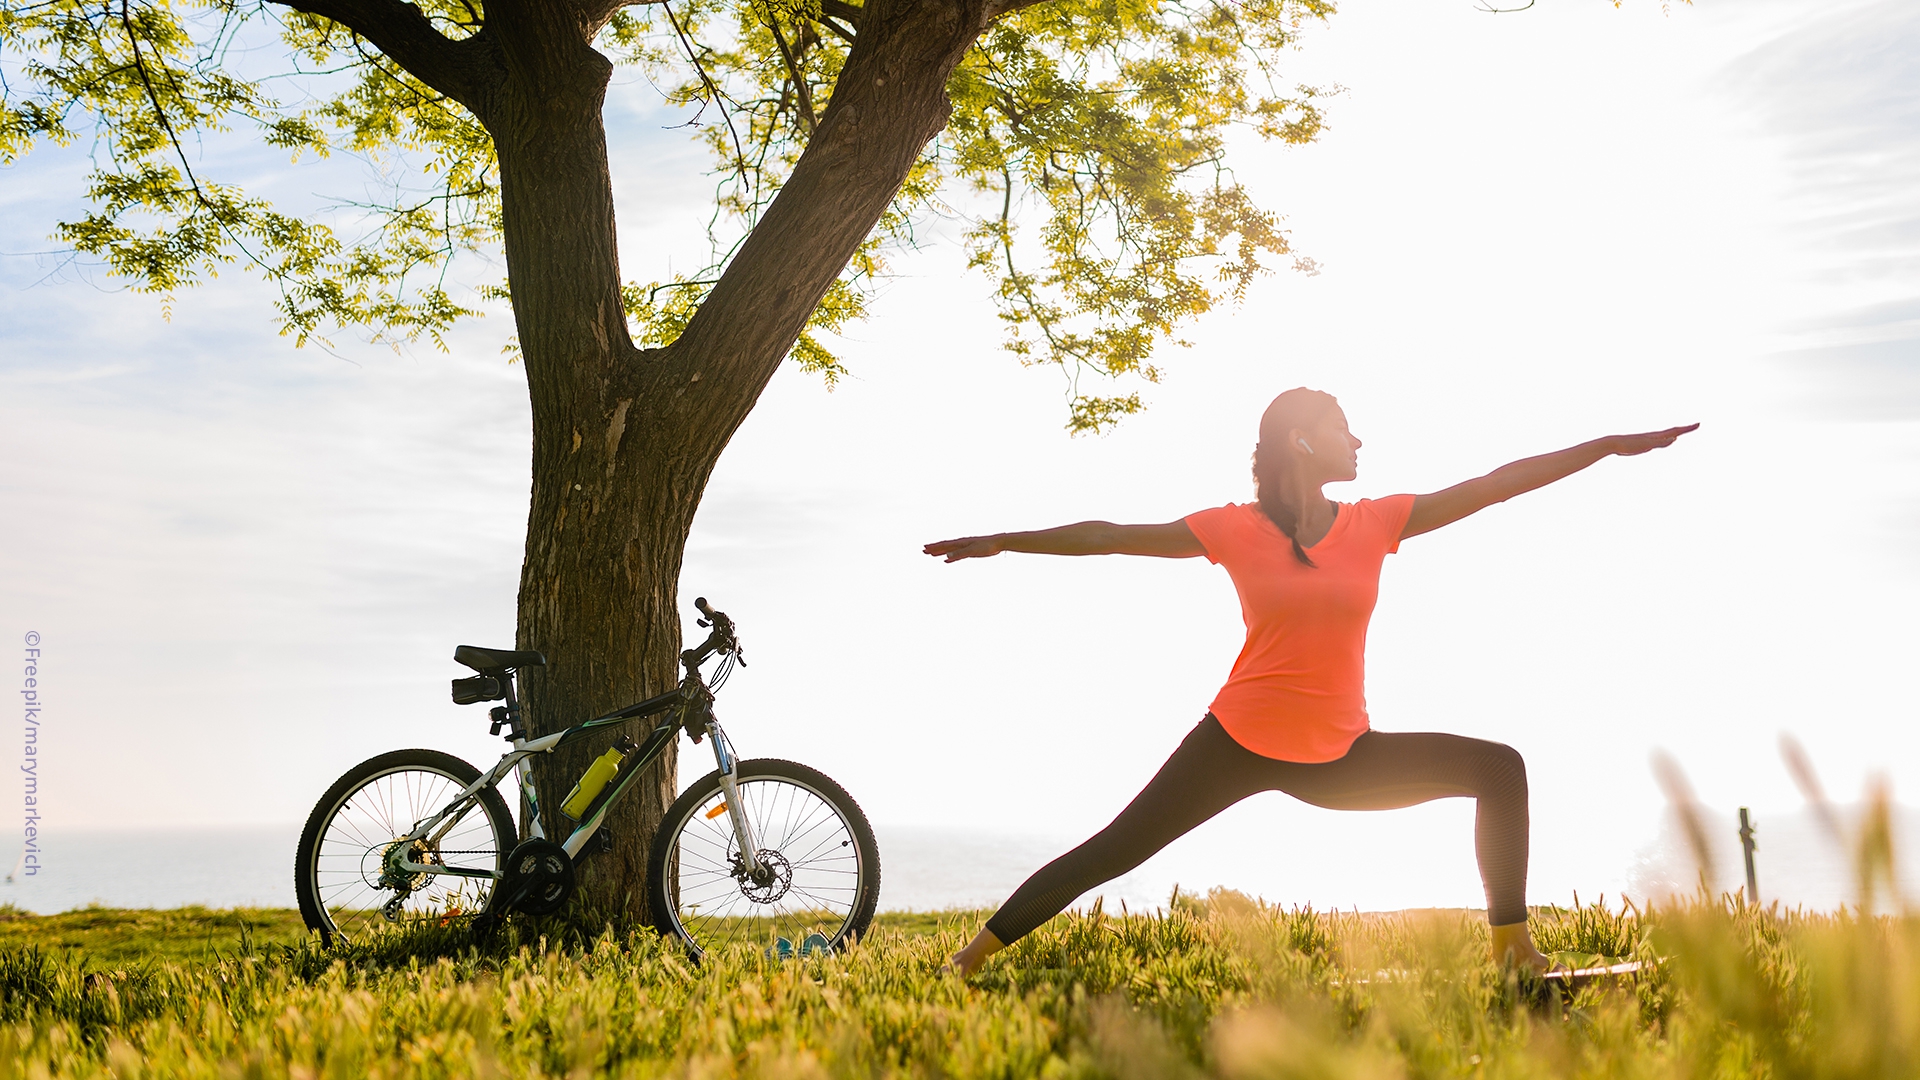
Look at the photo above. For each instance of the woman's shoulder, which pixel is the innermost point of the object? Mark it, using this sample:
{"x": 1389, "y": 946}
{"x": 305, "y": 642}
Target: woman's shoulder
{"x": 1236, "y": 517}
{"x": 1386, "y": 515}
{"x": 1226, "y": 512}
{"x": 1385, "y": 504}
{"x": 1223, "y": 530}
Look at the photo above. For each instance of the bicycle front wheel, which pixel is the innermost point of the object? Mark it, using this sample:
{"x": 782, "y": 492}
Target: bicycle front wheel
{"x": 819, "y": 869}
{"x": 347, "y": 872}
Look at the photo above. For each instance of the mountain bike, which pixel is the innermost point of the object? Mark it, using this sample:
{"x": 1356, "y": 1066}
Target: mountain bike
{"x": 763, "y": 852}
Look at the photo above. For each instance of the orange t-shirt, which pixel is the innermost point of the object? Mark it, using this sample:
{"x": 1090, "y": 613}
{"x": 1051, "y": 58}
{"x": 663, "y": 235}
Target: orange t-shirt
{"x": 1298, "y": 688}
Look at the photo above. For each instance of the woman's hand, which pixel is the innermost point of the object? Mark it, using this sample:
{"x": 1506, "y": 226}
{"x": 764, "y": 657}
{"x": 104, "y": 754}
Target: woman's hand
{"x": 1629, "y": 445}
{"x": 1170, "y": 541}
{"x": 1430, "y": 512}
{"x": 967, "y": 547}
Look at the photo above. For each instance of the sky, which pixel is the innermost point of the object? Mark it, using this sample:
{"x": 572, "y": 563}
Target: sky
{"x": 249, "y": 563}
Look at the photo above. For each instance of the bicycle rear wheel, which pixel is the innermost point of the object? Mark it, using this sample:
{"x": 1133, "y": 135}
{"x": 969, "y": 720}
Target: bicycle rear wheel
{"x": 820, "y": 876}
{"x": 344, "y": 872}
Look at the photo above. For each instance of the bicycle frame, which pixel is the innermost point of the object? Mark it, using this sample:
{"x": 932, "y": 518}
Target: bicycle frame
{"x": 687, "y": 707}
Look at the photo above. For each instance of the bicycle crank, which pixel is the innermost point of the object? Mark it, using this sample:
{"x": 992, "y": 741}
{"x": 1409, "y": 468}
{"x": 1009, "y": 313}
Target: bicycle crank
{"x": 538, "y": 881}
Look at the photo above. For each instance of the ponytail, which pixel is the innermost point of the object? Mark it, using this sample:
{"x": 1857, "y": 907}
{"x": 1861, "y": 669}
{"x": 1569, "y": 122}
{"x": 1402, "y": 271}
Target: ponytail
{"x": 1273, "y": 462}
{"x": 1269, "y": 470}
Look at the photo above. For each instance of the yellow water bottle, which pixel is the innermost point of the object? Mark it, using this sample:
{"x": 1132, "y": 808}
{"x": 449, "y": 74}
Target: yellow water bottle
{"x": 595, "y": 780}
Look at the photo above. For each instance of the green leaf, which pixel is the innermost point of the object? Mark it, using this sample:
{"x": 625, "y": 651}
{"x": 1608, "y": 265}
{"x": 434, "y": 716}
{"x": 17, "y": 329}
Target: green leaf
{"x": 1085, "y": 159}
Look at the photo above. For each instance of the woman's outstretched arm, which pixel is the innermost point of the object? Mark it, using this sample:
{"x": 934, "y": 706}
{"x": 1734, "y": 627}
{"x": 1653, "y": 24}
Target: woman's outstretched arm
{"x": 1448, "y": 506}
{"x": 1170, "y": 541}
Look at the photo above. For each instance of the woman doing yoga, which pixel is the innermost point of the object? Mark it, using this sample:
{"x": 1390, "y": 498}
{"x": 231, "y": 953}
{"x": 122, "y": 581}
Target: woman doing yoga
{"x": 1292, "y": 716}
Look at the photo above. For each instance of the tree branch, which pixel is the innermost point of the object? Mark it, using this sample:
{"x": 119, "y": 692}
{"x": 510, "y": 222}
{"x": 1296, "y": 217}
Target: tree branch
{"x": 800, "y": 88}
{"x": 595, "y": 14}
{"x": 840, "y": 9}
{"x": 713, "y": 91}
{"x": 404, "y": 34}
{"x": 889, "y": 100}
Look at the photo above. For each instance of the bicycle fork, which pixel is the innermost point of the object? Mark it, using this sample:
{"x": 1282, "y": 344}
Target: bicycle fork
{"x": 729, "y": 765}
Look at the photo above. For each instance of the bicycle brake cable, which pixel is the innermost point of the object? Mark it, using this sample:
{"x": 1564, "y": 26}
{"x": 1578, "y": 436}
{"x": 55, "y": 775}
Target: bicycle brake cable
{"x": 721, "y": 673}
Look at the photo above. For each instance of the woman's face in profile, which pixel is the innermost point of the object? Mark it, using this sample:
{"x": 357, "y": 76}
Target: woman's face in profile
{"x": 1335, "y": 448}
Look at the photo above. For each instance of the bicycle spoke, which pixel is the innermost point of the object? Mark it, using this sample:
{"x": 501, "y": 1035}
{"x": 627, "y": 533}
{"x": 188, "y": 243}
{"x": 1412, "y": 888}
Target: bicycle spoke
{"x": 349, "y": 854}
{"x": 810, "y": 881}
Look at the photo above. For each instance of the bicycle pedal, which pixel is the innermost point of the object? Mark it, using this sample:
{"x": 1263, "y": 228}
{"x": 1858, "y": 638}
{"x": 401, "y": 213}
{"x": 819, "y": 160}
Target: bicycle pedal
{"x": 604, "y": 838}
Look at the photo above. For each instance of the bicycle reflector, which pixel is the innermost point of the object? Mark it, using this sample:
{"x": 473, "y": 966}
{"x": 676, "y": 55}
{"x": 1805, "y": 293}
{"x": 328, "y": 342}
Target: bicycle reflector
{"x": 478, "y": 688}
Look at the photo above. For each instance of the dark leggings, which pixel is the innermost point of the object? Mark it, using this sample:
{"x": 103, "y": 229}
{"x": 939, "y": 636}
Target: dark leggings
{"x": 1381, "y": 771}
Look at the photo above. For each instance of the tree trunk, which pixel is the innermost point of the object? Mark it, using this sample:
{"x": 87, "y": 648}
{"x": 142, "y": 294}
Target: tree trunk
{"x": 624, "y": 441}
{"x": 608, "y": 516}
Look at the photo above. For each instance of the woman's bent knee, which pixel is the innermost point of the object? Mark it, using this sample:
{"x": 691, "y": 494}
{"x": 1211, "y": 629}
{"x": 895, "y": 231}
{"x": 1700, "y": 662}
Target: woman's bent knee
{"x": 1503, "y": 769}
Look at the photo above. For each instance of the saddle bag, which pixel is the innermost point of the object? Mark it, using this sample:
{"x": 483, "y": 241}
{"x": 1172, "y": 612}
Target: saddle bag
{"x": 477, "y": 688}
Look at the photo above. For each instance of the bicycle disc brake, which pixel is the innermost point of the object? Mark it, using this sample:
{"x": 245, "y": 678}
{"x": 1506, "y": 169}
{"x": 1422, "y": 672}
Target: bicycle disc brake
{"x": 769, "y": 883}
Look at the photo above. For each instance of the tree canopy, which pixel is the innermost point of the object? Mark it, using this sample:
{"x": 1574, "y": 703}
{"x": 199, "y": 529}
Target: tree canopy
{"x": 1082, "y": 143}
{"x": 1085, "y": 156}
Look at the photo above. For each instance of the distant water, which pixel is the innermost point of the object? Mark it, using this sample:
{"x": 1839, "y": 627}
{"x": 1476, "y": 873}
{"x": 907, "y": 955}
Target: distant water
{"x": 922, "y": 869}
{"x": 242, "y": 867}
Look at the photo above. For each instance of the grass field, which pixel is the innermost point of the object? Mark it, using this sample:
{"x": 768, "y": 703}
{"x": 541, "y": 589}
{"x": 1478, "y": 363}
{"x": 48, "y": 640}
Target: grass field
{"x": 1218, "y": 986}
{"x": 111, "y": 937}
{"x": 104, "y": 938}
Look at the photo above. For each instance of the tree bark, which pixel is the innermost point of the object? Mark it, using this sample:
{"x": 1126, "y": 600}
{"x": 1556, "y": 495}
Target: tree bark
{"x": 608, "y": 516}
{"x": 625, "y": 441}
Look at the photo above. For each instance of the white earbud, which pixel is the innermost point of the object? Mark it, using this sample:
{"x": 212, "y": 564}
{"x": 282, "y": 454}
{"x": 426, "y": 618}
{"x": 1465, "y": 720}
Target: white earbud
{"x": 1304, "y": 446}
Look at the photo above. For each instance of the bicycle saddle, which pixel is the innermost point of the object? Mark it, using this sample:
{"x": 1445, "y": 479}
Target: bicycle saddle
{"x": 480, "y": 659}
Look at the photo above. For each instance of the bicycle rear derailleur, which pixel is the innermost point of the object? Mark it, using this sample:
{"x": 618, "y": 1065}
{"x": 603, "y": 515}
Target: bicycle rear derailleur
{"x": 393, "y": 874}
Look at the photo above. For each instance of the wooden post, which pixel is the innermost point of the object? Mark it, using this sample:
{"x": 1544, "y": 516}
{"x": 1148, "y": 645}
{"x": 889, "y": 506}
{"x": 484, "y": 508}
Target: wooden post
{"x": 1746, "y": 846}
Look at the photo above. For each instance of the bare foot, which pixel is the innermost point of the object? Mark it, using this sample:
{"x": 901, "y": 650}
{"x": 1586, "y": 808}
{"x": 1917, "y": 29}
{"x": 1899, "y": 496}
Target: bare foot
{"x": 968, "y": 960}
{"x": 1513, "y": 947}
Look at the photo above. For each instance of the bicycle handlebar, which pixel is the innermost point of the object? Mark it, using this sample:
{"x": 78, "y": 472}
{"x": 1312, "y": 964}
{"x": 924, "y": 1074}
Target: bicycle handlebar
{"x": 719, "y": 640}
{"x": 722, "y": 626}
